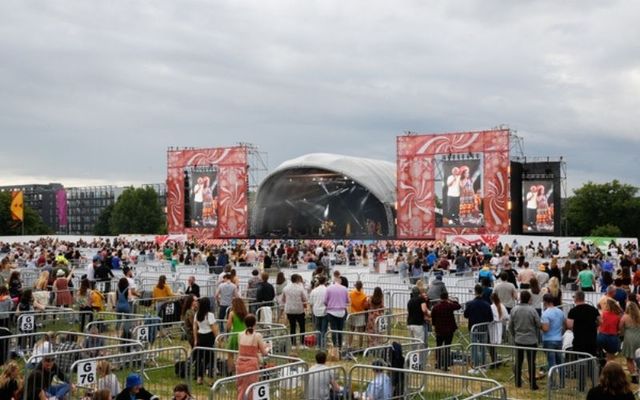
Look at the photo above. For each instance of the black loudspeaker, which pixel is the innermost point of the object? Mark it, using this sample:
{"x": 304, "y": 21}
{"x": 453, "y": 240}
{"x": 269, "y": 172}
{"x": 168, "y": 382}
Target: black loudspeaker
{"x": 187, "y": 199}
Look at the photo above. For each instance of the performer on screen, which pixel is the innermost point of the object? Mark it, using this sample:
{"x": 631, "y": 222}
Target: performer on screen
{"x": 532, "y": 206}
{"x": 468, "y": 208}
{"x": 453, "y": 194}
{"x": 197, "y": 201}
{"x": 544, "y": 214}
{"x": 207, "y": 203}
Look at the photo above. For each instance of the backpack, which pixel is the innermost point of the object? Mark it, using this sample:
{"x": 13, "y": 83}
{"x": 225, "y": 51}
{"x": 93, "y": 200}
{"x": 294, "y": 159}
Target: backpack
{"x": 397, "y": 361}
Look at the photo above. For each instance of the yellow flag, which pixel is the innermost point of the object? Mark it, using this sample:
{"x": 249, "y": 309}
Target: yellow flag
{"x": 17, "y": 205}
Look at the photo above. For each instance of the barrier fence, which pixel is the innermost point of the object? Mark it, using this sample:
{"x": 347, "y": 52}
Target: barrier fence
{"x": 366, "y": 380}
{"x": 369, "y": 340}
{"x": 313, "y": 384}
{"x": 154, "y": 366}
{"x": 565, "y": 380}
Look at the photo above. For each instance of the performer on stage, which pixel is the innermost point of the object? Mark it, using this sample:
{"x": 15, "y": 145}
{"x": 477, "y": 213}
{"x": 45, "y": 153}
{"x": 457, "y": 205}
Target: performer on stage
{"x": 207, "y": 203}
{"x": 468, "y": 207}
{"x": 532, "y": 206}
{"x": 197, "y": 202}
{"x": 453, "y": 195}
{"x": 544, "y": 215}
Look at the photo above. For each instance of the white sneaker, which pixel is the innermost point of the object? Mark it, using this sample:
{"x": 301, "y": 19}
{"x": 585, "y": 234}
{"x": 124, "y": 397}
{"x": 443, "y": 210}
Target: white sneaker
{"x": 473, "y": 371}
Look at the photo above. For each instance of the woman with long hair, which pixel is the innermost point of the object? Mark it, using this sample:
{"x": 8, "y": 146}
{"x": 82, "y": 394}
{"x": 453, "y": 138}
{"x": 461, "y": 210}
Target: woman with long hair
{"x": 82, "y": 302}
{"x": 294, "y": 298}
{"x": 10, "y": 382}
{"x": 630, "y": 327}
{"x": 281, "y": 283}
{"x": 189, "y": 308}
{"x": 235, "y": 325}
{"x": 553, "y": 288}
{"x": 205, "y": 330}
{"x": 43, "y": 281}
{"x": 536, "y": 295}
{"x": 107, "y": 380}
{"x": 608, "y": 330}
{"x": 376, "y": 305}
{"x": 358, "y": 319}
{"x": 613, "y": 384}
{"x": 162, "y": 290}
{"x": 251, "y": 348}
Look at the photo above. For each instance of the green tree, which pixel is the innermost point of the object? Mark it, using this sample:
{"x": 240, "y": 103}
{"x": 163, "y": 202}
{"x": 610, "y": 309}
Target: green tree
{"x": 137, "y": 211}
{"x": 598, "y": 205}
{"x": 102, "y": 227}
{"x": 606, "y": 231}
{"x": 33, "y": 224}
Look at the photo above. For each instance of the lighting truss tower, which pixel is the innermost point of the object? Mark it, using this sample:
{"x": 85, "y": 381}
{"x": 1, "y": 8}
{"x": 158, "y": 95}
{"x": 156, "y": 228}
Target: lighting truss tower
{"x": 258, "y": 168}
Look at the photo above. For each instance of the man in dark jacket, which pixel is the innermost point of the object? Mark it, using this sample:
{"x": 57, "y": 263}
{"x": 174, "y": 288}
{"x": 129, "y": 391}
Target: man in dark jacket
{"x": 134, "y": 390}
{"x": 48, "y": 368}
{"x": 444, "y": 324}
{"x": 192, "y": 287}
{"x": 264, "y": 290}
{"x": 478, "y": 311}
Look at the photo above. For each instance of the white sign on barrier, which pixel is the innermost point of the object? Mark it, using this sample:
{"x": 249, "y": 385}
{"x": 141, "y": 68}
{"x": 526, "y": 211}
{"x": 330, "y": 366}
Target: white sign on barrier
{"x": 87, "y": 373}
{"x": 27, "y": 323}
{"x": 382, "y": 325}
{"x": 261, "y": 392}
{"x": 143, "y": 334}
{"x": 414, "y": 362}
{"x": 170, "y": 309}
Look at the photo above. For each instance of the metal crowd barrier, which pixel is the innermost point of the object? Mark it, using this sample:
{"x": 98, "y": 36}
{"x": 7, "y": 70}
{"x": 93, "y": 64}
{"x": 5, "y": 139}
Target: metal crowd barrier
{"x": 227, "y": 388}
{"x": 152, "y": 365}
{"x": 267, "y": 330}
{"x": 410, "y": 384}
{"x": 370, "y": 340}
{"x": 569, "y": 378}
{"x": 301, "y": 385}
{"x": 155, "y": 335}
{"x": 437, "y": 358}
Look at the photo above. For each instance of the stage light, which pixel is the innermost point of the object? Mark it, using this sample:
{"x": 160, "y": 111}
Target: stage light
{"x": 509, "y": 205}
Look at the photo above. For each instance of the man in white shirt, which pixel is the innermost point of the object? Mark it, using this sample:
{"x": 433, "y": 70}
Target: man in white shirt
{"x": 453, "y": 195}
{"x": 319, "y": 309}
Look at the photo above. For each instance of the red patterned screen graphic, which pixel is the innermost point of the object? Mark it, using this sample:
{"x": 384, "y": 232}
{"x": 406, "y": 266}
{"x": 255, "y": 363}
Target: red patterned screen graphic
{"x": 225, "y": 211}
{"x": 478, "y": 210}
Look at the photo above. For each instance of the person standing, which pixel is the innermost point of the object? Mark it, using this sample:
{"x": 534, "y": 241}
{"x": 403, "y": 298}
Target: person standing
{"x": 613, "y": 384}
{"x": 586, "y": 279}
{"x": 444, "y": 324}
{"x": 294, "y": 297}
{"x": 524, "y": 326}
{"x": 553, "y": 322}
{"x": 453, "y": 195}
{"x": 525, "y": 276}
{"x": 417, "y": 315}
{"x": 358, "y": 319}
{"x": 506, "y": 291}
{"x": 337, "y": 301}
{"x": 225, "y": 293}
{"x": 192, "y": 287}
{"x": 252, "y": 346}
{"x": 630, "y": 328}
{"x": 319, "y": 310}
{"x": 583, "y": 320}
{"x": 205, "y": 331}
{"x": 478, "y": 311}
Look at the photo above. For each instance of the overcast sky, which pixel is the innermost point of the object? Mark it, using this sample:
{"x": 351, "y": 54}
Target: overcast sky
{"x": 93, "y": 92}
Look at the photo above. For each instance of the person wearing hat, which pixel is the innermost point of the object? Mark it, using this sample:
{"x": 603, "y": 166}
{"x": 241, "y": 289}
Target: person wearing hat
{"x": 133, "y": 389}
{"x": 380, "y": 387}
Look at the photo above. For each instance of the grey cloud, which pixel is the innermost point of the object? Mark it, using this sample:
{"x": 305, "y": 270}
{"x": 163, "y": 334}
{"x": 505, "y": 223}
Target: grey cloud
{"x": 95, "y": 90}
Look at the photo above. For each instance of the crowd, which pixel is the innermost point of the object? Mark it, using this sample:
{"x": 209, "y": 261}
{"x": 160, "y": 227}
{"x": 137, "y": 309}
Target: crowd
{"x": 519, "y": 296}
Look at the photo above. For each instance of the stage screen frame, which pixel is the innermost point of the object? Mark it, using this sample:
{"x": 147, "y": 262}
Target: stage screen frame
{"x": 416, "y": 176}
{"x": 232, "y": 190}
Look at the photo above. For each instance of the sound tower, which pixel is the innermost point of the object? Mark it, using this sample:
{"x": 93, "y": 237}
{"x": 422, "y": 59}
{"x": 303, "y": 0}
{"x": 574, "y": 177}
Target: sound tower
{"x": 187, "y": 199}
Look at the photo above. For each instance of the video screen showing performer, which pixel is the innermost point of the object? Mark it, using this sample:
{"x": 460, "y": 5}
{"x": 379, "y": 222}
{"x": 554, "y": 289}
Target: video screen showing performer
{"x": 538, "y": 206}
{"x": 204, "y": 197}
{"x": 462, "y": 193}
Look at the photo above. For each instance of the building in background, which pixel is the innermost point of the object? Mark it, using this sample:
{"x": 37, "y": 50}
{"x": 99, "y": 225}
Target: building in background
{"x": 75, "y": 210}
{"x": 44, "y": 200}
{"x": 85, "y": 204}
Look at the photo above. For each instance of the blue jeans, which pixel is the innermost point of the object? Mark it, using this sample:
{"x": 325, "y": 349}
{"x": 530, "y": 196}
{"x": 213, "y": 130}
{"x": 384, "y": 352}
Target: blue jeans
{"x": 554, "y": 358}
{"x": 60, "y": 390}
{"x": 336, "y": 324}
{"x": 478, "y": 353}
{"x": 320, "y": 324}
